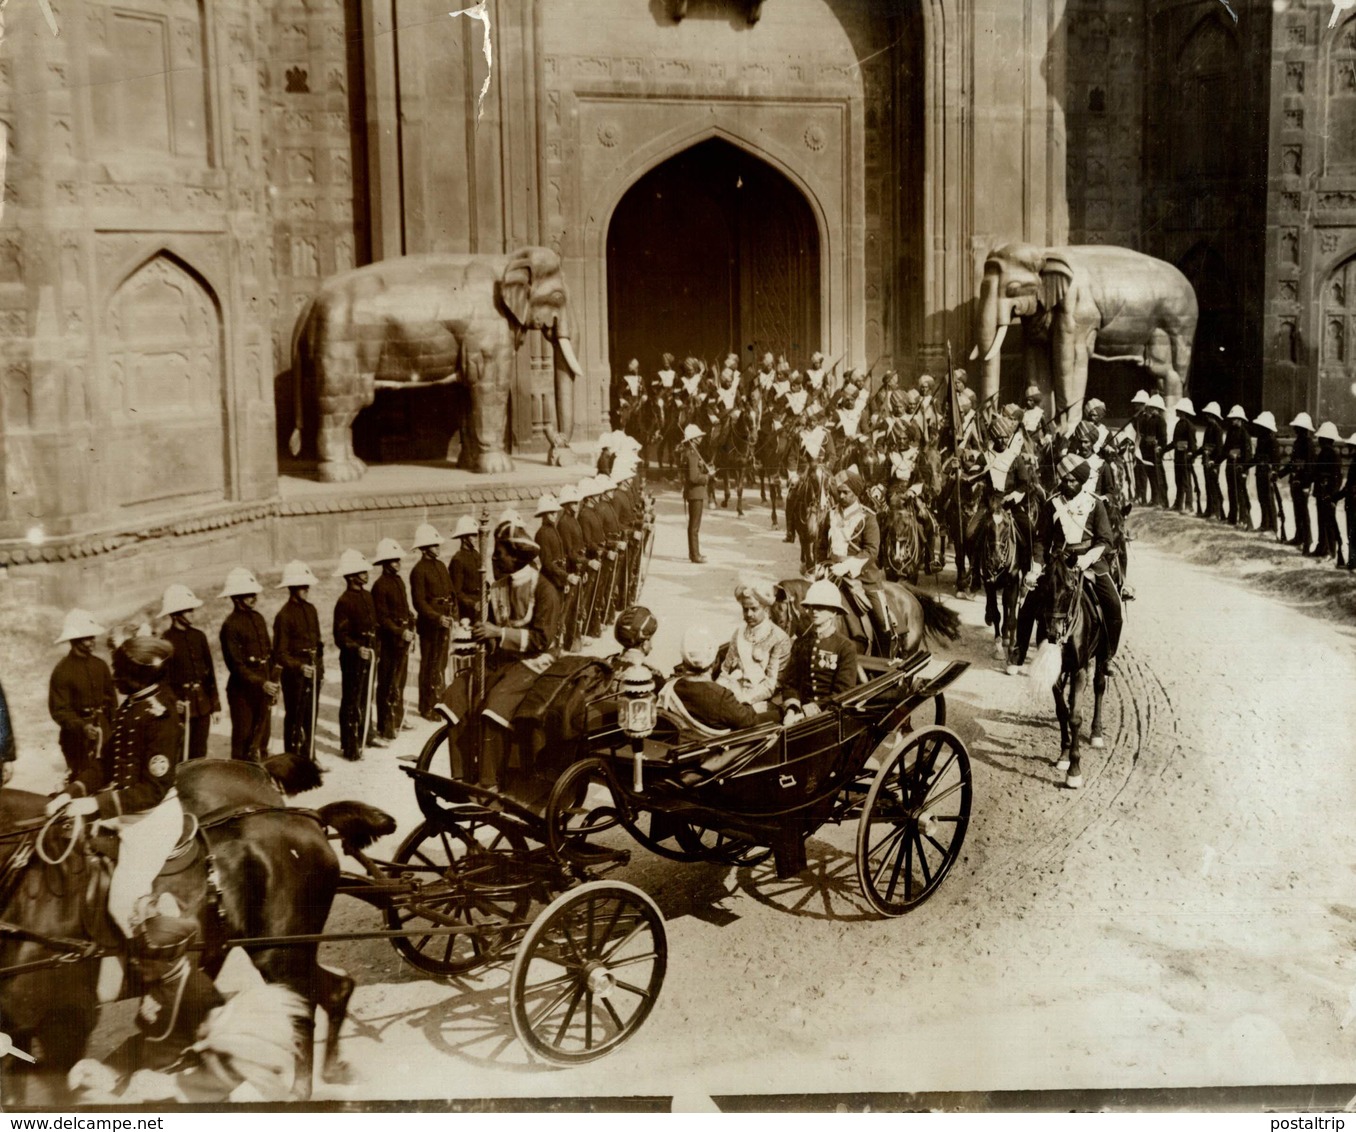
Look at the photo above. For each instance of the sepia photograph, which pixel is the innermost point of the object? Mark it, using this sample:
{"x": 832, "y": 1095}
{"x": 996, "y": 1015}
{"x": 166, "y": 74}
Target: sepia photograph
{"x": 678, "y": 556}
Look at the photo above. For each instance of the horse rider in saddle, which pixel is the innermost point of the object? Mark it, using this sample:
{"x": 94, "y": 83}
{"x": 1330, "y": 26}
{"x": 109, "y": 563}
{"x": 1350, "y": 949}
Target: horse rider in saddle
{"x": 131, "y": 790}
{"x": 849, "y": 546}
{"x": 1075, "y": 519}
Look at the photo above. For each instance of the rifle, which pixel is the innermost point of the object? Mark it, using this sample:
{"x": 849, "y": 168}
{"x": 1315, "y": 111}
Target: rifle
{"x": 315, "y": 708}
{"x": 371, "y": 694}
{"x": 958, "y": 524}
{"x": 587, "y": 621}
{"x": 485, "y": 543}
{"x": 1280, "y": 507}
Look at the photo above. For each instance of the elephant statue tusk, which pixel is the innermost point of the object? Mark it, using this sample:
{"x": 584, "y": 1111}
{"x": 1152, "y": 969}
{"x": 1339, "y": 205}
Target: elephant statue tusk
{"x": 997, "y": 344}
{"x": 974, "y": 352}
{"x": 567, "y": 352}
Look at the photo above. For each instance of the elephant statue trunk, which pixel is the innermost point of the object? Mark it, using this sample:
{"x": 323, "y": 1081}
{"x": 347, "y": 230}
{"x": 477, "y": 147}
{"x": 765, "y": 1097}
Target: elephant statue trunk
{"x": 567, "y": 369}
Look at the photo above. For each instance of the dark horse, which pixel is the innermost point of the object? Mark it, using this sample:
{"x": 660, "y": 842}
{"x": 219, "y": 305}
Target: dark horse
{"x": 734, "y": 445}
{"x": 807, "y": 502}
{"x": 772, "y": 453}
{"x": 1002, "y": 551}
{"x": 1073, "y": 624}
{"x": 273, "y": 866}
{"x": 901, "y": 538}
{"x": 917, "y": 617}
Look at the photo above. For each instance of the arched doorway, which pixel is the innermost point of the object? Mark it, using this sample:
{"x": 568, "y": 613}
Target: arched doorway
{"x": 713, "y": 250}
{"x": 1216, "y": 354}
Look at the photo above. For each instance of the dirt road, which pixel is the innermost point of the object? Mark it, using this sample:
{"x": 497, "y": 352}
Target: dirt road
{"x": 1186, "y": 919}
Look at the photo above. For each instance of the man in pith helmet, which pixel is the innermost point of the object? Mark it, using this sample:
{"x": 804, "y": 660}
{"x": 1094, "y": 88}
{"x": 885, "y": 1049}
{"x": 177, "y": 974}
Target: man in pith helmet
{"x": 1327, "y": 492}
{"x": 395, "y": 636}
{"x": 355, "y": 635}
{"x": 435, "y": 612}
{"x": 250, "y": 688}
{"x": 80, "y": 695}
{"x": 299, "y": 657}
{"x": 189, "y": 673}
{"x": 1299, "y": 467}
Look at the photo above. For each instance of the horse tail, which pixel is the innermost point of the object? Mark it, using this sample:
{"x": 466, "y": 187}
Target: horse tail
{"x": 294, "y": 773}
{"x": 357, "y": 824}
{"x": 939, "y": 622}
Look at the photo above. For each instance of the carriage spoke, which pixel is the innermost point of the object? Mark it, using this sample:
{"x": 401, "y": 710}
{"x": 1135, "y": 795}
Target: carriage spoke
{"x": 937, "y": 799}
{"x": 894, "y": 875}
{"x": 551, "y": 1007}
{"x": 922, "y": 858}
{"x": 611, "y": 951}
{"x": 588, "y": 1018}
{"x": 612, "y": 1012}
{"x": 635, "y": 990}
{"x": 887, "y": 848}
{"x": 632, "y": 960}
{"x": 569, "y": 1014}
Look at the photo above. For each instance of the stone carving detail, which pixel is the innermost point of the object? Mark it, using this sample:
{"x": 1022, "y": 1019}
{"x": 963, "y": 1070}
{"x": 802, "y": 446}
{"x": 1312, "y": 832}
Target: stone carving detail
{"x": 1290, "y": 201}
{"x": 609, "y": 133}
{"x": 815, "y": 138}
{"x": 1294, "y": 78}
{"x": 1344, "y": 199}
{"x": 1327, "y": 242}
{"x": 1290, "y": 246}
{"x": 1297, "y": 34}
{"x": 1294, "y": 119}
{"x": 1288, "y": 291}
{"x": 165, "y": 430}
{"x": 304, "y": 258}
{"x": 1292, "y": 160}
{"x": 300, "y": 167}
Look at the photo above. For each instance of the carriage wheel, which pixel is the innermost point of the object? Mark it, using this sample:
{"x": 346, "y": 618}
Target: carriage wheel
{"x": 914, "y": 820}
{"x": 463, "y": 870}
{"x": 588, "y": 972}
{"x": 572, "y": 816}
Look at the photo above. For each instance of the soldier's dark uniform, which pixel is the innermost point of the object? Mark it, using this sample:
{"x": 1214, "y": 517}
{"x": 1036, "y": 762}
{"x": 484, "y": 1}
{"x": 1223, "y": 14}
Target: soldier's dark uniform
{"x": 1212, "y": 450}
{"x": 695, "y": 478}
{"x": 624, "y": 505}
{"x": 431, "y": 593}
{"x": 1349, "y": 498}
{"x": 1327, "y": 491}
{"x": 595, "y": 555}
{"x": 355, "y": 627}
{"x": 606, "y": 606}
{"x": 297, "y": 644}
{"x": 191, "y": 676}
{"x": 1264, "y": 461}
{"x": 1155, "y": 448}
{"x": 572, "y": 541}
{"x": 466, "y": 581}
{"x": 80, "y": 693}
{"x": 136, "y": 767}
{"x": 247, "y": 651}
{"x": 1183, "y": 456}
{"x": 1237, "y": 456}
{"x": 554, "y": 566}
{"x": 394, "y": 620}
{"x": 819, "y": 667}
{"x": 1300, "y": 470}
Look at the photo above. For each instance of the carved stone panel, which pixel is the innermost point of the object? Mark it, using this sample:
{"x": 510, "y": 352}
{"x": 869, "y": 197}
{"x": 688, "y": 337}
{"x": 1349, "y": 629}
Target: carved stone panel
{"x": 165, "y": 428}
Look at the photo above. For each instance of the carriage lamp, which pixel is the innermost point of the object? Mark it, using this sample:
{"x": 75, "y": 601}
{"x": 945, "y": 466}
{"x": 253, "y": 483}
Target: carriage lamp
{"x": 463, "y": 648}
{"x": 637, "y": 716}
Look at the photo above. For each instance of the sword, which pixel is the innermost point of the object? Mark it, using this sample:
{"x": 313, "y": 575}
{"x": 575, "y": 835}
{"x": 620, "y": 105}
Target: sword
{"x": 1280, "y": 509}
{"x": 367, "y": 700}
{"x": 587, "y": 621}
{"x": 183, "y": 708}
{"x": 315, "y": 710}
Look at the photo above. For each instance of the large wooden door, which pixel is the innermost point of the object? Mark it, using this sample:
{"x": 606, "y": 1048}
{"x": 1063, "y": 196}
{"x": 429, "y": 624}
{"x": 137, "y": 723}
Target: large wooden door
{"x": 712, "y": 251}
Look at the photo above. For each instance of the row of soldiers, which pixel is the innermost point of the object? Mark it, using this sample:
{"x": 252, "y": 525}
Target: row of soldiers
{"x": 1230, "y": 446}
{"x": 590, "y": 547}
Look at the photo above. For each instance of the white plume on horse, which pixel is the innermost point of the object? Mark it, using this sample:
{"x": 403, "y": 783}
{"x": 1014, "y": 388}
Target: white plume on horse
{"x": 1043, "y": 672}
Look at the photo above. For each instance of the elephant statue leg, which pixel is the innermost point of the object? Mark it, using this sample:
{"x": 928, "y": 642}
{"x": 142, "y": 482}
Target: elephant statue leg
{"x": 350, "y": 393}
{"x": 1069, "y": 364}
{"x": 1159, "y": 360}
{"x": 482, "y": 448}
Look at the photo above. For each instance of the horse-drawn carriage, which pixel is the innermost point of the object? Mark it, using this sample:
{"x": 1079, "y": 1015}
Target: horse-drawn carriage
{"x": 518, "y": 868}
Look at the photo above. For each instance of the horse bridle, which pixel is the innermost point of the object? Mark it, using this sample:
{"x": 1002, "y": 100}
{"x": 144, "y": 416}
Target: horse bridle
{"x": 1068, "y": 616}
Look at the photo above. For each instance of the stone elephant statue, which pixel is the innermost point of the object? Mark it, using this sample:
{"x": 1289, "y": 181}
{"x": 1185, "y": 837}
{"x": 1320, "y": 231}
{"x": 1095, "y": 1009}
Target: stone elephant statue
{"x": 1084, "y": 302}
{"x": 424, "y": 319}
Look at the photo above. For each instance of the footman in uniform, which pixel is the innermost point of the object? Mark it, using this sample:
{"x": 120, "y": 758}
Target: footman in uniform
{"x": 247, "y": 651}
{"x": 299, "y": 655}
{"x": 355, "y": 636}
{"x": 695, "y": 476}
{"x": 435, "y": 609}
{"x": 80, "y": 695}
{"x": 189, "y": 673}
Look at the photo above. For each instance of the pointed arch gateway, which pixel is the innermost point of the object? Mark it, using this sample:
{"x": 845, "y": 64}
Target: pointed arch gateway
{"x": 711, "y": 251}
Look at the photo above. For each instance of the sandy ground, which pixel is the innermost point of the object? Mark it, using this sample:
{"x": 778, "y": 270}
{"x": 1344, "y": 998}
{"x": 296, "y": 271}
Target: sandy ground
{"x": 1186, "y": 919}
